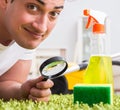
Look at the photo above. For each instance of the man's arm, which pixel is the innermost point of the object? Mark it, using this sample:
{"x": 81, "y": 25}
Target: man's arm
{"x": 14, "y": 84}
{"x": 10, "y": 82}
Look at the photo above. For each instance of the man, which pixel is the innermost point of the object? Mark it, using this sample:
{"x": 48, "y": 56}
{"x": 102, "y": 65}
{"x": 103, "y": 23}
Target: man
{"x": 24, "y": 24}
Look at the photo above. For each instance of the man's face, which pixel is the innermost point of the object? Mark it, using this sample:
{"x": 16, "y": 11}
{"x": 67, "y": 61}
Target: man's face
{"x": 29, "y": 22}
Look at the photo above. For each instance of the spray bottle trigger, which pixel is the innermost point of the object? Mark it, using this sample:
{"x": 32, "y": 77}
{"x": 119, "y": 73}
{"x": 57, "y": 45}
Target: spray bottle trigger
{"x": 91, "y": 19}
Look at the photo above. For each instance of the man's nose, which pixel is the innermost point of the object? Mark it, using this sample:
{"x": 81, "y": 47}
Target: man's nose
{"x": 41, "y": 24}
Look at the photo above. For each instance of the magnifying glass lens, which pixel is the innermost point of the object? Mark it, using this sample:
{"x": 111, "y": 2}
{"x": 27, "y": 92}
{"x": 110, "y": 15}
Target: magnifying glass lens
{"x": 53, "y": 68}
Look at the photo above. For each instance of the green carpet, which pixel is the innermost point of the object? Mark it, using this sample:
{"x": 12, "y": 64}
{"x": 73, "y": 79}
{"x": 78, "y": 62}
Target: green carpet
{"x": 58, "y": 102}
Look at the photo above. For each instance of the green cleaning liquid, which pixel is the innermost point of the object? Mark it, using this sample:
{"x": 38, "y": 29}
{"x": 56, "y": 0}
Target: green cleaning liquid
{"x": 99, "y": 70}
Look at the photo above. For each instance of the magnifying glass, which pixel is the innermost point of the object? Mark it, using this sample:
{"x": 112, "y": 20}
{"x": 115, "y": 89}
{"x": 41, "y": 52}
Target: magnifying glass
{"x": 53, "y": 67}
{"x": 57, "y": 66}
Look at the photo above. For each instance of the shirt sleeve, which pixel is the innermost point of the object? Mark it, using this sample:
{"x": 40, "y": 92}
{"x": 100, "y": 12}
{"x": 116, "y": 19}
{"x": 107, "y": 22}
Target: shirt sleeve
{"x": 10, "y": 55}
{"x": 28, "y": 54}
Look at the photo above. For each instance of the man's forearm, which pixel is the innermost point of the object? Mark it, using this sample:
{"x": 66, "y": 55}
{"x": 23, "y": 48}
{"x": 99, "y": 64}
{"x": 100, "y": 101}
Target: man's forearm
{"x": 10, "y": 89}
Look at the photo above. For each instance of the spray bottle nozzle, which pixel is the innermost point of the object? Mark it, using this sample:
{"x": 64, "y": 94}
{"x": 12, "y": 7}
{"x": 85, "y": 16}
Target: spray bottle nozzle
{"x": 95, "y": 18}
{"x": 86, "y": 12}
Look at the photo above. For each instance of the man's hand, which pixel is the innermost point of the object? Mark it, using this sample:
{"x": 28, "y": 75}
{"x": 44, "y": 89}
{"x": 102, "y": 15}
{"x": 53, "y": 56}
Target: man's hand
{"x": 36, "y": 89}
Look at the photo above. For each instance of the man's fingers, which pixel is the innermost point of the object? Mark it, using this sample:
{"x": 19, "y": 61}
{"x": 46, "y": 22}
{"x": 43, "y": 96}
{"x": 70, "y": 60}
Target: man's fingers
{"x": 36, "y": 80}
{"x": 40, "y": 92}
{"x": 45, "y": 99}
{"x": 45, "y": 84}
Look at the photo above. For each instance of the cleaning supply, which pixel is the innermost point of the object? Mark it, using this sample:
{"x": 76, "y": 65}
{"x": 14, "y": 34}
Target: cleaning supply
{"x": 93, "y": 94}
{"x": 99, "y": 70}
{"x": 97, "y": 80}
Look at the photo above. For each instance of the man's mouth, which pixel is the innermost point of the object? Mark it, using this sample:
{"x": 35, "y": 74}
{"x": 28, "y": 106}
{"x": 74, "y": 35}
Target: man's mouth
{"x": 34, "y": 33}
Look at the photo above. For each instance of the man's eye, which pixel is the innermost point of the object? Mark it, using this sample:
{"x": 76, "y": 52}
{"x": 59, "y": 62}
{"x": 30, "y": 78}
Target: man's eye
{"x": 32, "y": 7}
{"x": 54, "y": 14}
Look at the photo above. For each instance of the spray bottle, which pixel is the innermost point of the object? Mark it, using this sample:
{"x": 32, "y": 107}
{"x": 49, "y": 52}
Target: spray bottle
{"x": 99, "y": 70}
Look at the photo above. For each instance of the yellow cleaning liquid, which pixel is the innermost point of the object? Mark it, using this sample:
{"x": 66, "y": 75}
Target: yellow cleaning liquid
{"x": 99, "y": 70}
